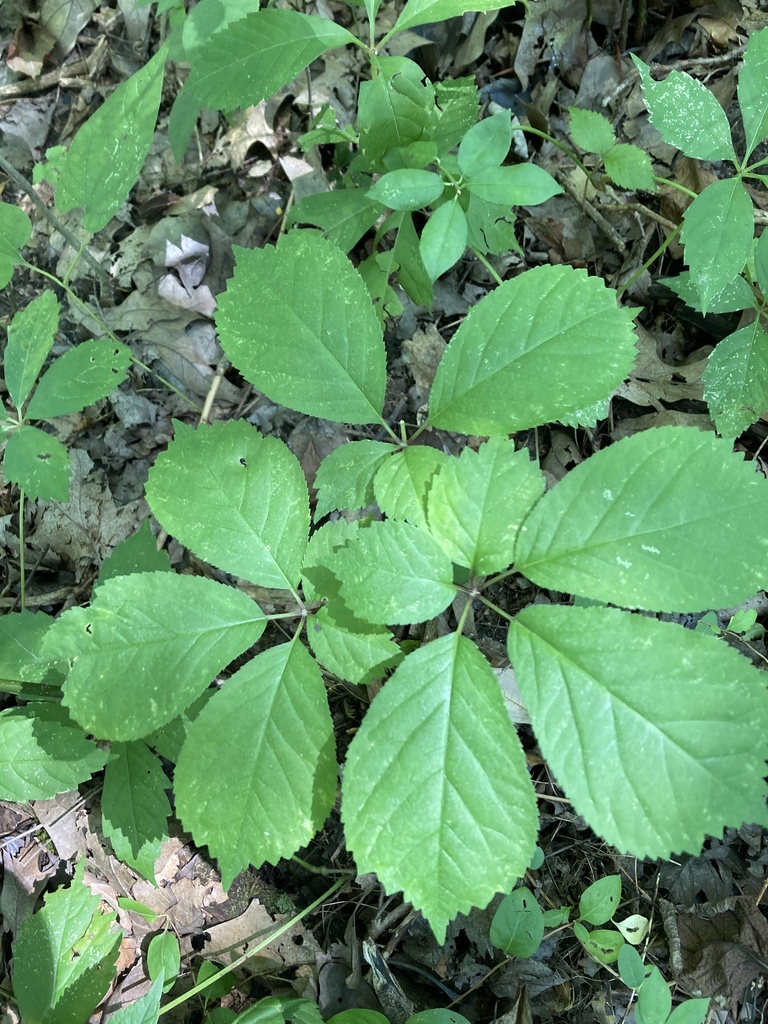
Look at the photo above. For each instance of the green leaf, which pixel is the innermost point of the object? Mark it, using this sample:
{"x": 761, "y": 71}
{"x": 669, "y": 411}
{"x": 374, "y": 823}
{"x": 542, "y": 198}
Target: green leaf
{"x": 164, "y": 959}
{"x": 358, "y": 1017}
{"x": 717, "y": 234}
{"x": 354, "y": 655}
{"x": 761, "y": 268}
{"x": 144, "y": 1011}
{"x": 402, "y": 483}
{"x": 478, "y": 502}
{"x": 318, "y": 580}
{"x": 412, "y": 275}
{"x": 345, "y": 477}
{"x": 687, "y": 115}
{"x": 15, "y": 232}
{"x": 443, "y": 239}
{"x": 394, "y": 573}
{"x": 486, "y": 144}
{"x": 517, "y": 927}
{"x": 134, "y": 807}
{"x": 734, "y": 297}
{"x": 268, "y": 732}
{"x": 602, "y": 944}
{"x": 309, "y": 295}
{"x": 736, "y": 380}
{"x": 692, "y": 1011}
{"x": 520, "y": 185}
{"x": 630, "y": 167}
{"x": 344, "y": 215}
{"x": 591, "y": 131}
{"x": 662, "y": 520}
{"x": 436, "y": 796}
{"x": 182, "y": 119}
{"x": 211, "y": 16}
{"x": 38, "y": 464}
{"x": 656, "y": 733}
{"x": 147, "y": 646}
{"x": 394, "y": 108}
{"x": 496, "y": 375}
{"x": 437, "y": 1016}
{"x": 64, "y": 957}
{"x": 81, "y": 376}
{"x": 407, "y": 189}
{"x": 631, "y": 967}
{"x": 600, "y": 900}
{"x": 43, "y": 753}
{"x": 108, "y": 152}
{"x": 654, "y": 1000}
{"x": 422, "y": 12}
{"x": 30, "y": 339}
{"x": 237, "y": 499}
{"x": 490, "y": 228}
{"x": 454, "y": 113}
{"x": 415, "y": 155}
{"x": 21, "y": 635}
{"x": 753, "y": 100}
{"x": 252, "y": 58}
{"x": 137, "y": 553}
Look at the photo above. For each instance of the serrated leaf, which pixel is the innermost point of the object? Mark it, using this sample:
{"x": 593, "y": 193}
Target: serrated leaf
{"x": 252, "y": 58}
{"x": 269, "y": 733}
{"x": 394, "y": 109}
{"x": 444, "y": 239}
{"x": 656, "y": 733}
{"x": 478, "y": 502}
{"x": 109, "y": 150}
{"x": 455, "y": 112}
{"x": 517, "y": 927}
{"x": 394, "y": 573}
{"x": 318, "y": 581}
{"x": 753, "y": 100}
{"x": 687, "y": 115}
{"x": 147, "y": 646}
{"x": 436, "y": 796}
{"x": 520, "y": 185}
{"x": 735, "y": 296}
{"x": 64, "y": 957}
{"x": 345, "y": 477}
{"x": 422, "y": 12}
{"x": 211, "y": 16}
{"x": 663, "y": 520}
{"x": 496, "y": 375}
{"x": 354, "y": 655}
{"x": 134, "y": 806}
{"x": 237, "y": 499}
{"x": 736, "y": 380}
{"x": 344, "y": 215}
{"x": 21, "y": 635}
{"x": 79, "y": 377}
{"x": 407, "y": 189}
{"x": 486, "y": 144}
{"x": 43, "y": 753}
{"x": 30, "y": 339}
{"x": 591, "y": 131}
{"x": 137, "y": 553}
{"x": 309, "y": 295}
{"x": 15, "y": 232}
{"x": 600, "y": 900}
{"x": 38, "y": 464}
{"x": 630, "y": 167}
{"x": 402, "y": 483}
{"x": 718, "y": 228}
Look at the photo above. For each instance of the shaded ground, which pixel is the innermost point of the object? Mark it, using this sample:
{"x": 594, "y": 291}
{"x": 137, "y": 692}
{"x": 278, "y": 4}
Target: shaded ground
{"x": 166, "y": 258}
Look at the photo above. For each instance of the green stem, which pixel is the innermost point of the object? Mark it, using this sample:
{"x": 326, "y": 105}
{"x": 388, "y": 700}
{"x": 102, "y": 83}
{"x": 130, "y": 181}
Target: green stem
{"x": 490, "y": 604}
{"x": 280, "y": 930}
{"x": 651, "y": 259}
{"x": 561, "y": 146}
{"x": 29, "y": 691}
{"x": 677, "y": 185}
{"x": 491, "y": 270}
{"x": 22, "y": 558}
{"x": 320, "y": 871}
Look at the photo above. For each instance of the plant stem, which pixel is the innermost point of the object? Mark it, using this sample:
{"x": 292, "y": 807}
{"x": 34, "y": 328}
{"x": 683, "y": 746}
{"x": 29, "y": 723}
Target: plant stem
{"x": 561, "y": 146}
{"x": 491, "y": 270}
{"x": 677, "y": 185}
{"x": 22, "y": 558}
{"x": 280, "y": 930}
{"x": 651, "y": 259}
{"x": 29, "y": 691}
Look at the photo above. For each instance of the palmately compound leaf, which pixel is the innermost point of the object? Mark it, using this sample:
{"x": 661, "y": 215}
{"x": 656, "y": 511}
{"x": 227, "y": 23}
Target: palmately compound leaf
{"x": 753, "y": 97}
{"x": 496, "y": 375}
{"x": 687, "y": 114}
{"x": 43, "y": 753}
{"x": 147, "y": 646}
{"x": 15, "y": 232}
{"x": 402, "y": 483}
{"x": 717, "y": 234}
{"x": 436, "y": 796}
{"x": 38, "y": 463}
{"x": 269, "y": 733}
{"x": 656, "y": 733}
{"x": 663, "y": 520}
{"x": 80, "y": 377}
{"x": 30, "y": 339}
{"x": 109, "y": 150}
{"x": 736, "y": 379}
{"x": 250, "y": 59}
{"x": 394, "y": 573}
{"x": 237, "y": 499}
{"x": 331, "y": 358}
{"x": 345, "y": 477}
{"x": 477, "y": 503}
{"x": 64, "y": 957}
{"x": 134, "y": 806}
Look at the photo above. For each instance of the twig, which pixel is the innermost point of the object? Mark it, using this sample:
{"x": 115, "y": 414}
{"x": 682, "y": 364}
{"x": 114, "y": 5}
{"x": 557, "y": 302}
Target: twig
{"x": 66, "y": 76}
{"x": 639, "y": 208}
{"x": 593, "y": 214}
{"x": 51, "y": 217}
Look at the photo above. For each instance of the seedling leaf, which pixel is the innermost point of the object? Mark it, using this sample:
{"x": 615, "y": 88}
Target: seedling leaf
{"x": 353, "y": 654}
{"x": 345, "y": 477}
{"x": 520, "y": 185}
{"x": 436, "y": 796}
{"x": 407, "y": 189}
{"x": 443, "y": 239}
{"x": 486, "y": 144}
{"x": 30, "y": 339}
{"x": 517, "y": 927}
{"x": 656, "y": 733}
{"x": 402, "y": 483}
{"x": 38, "y": 463}
{"x": 591, "y": 131}
{"x": 736, "y": 380}
{"x": 421, "y": 12}
{"x": 600, "y": 900}
{"x": 15, "y": 232}
{"x": 630, "y": 167}
{"x": 80, "y": 377}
